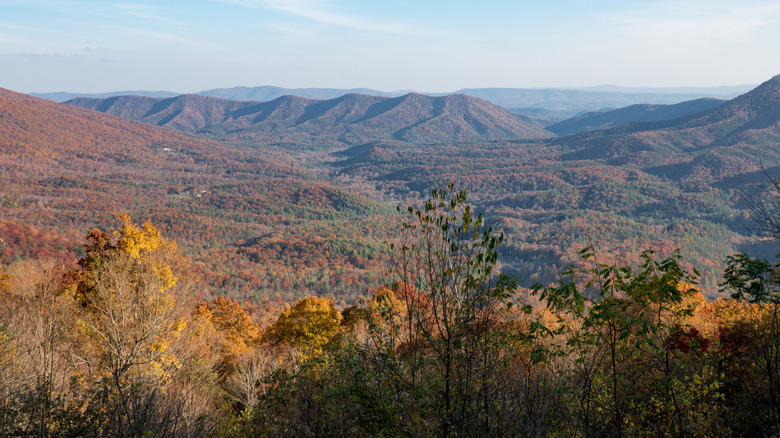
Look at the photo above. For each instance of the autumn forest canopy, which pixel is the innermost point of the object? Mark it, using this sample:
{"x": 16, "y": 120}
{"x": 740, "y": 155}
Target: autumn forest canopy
{"x": 368, "y": 266}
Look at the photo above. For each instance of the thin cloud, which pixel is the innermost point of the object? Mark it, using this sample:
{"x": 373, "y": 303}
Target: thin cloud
{"x": 692, "y": 23}
{"x": 313, "y": 10}
{"x": 157, "y": 35}
{"x": 39, "y": 55}
{"x": 78, "y": 8}
{"x": 147, "y": 12}
{"x": 37, "y": 30}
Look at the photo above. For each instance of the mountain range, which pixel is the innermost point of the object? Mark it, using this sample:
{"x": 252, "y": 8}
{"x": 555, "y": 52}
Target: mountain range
{"x": 357, "y": 118}
{"x": 524, "y": 100}
{"x": 677, "y": 183}
{"x": 557, "y": 99}
{"x": 349, "y": 119}
{"x": 259, "y": 225}
{"x": 744, "y": 130}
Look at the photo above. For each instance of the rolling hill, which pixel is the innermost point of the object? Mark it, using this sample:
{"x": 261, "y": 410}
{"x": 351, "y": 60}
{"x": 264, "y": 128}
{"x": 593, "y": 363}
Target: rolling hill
{"x": 349, "y": 119}
{"x": 68, "y": 136}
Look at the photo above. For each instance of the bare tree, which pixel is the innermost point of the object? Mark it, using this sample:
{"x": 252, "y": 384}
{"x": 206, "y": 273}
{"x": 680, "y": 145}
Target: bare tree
{"x": 246, "y": 385}
{"x": 765, "y": 209}
{"x": 37, "y": 322}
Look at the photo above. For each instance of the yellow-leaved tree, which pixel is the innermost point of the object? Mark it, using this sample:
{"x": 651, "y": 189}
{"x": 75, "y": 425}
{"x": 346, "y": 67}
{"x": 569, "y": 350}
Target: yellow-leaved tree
{"x": 235, "y": 332}
{"x": 132, "y": 307}
{"x": 309, "y": 325}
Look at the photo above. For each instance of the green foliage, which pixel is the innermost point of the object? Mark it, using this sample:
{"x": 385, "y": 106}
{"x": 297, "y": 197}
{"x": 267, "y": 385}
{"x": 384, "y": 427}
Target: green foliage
{"x": 751, "y": 279}
{"x": 758, "y": 282}
{"x": 438, "y": 340}
{"x": 616, "y": 314}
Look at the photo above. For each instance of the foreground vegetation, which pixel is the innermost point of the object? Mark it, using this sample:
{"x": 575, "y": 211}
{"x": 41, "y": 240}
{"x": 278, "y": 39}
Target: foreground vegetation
{"x": 118, "y": 346}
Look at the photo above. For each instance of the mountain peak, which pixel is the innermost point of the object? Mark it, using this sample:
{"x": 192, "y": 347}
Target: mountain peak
{"x": 762, "y": 101}
{"x": 772, "y": 84}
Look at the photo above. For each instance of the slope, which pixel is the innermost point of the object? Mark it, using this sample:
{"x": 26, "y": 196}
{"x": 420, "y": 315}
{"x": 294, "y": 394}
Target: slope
{"x": 258, "y": 228}
{"x": 634, "y": 113}
{"x": 738, "y": 134}
{"x": 35, "y": 127}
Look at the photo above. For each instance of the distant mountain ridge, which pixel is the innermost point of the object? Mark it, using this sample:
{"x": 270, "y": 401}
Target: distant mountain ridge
{"x": 567, "y": 100}
{"x": 268, "y": 92}
{"x": 573, "y": 100}
{"x": 727, "y": 139}
{"x": 349, "y": 119}
{"x": 560, "y": 99}
{"x": 634, "y": 113}
{"x": 64, "y": 96}
{"x": 722, "y": 91}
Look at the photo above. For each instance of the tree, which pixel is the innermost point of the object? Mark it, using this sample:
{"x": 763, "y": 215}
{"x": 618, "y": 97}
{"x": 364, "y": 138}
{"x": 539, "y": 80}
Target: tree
{"x": 132, "y": 309}
{"x": 765, "y": 209}
{"x": 309, "y": 325}
{"x": 248, "y": 382}
{"x": 613, "y": 316}
{"x": 236, "y": 333}
{"x": 447, "y": 342}
{"x": 33, "y": 348}
{"x": 758, "y": 282}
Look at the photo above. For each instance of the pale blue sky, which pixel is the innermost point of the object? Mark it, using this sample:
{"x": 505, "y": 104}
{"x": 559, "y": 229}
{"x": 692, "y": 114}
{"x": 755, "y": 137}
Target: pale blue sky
{"x": 423, "y": 45}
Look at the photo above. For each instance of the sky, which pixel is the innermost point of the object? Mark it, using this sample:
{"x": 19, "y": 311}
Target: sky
{"x": 422, "y": 45}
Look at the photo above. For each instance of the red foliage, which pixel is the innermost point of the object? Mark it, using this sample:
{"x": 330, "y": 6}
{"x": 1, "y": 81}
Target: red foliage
{"x": 687, "y": 341}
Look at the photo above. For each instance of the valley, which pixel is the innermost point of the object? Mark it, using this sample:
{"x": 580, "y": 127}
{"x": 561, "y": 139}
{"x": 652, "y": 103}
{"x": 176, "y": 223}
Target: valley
{"x": 295, "y": 197}
{"x": 323, "y": 218}
{"x": 664, "y": 177}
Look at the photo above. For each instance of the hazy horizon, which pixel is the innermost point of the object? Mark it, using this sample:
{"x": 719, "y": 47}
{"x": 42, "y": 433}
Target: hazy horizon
{"x": 85, "y": 46}
{"x": 714, "y": 90}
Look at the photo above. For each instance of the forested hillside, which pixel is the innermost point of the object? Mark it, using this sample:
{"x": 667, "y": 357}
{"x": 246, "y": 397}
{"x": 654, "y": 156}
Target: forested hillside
{"x": 259, "y": 228}
{"x": 119, "y": 345}
{"x": 661, "y": 185}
